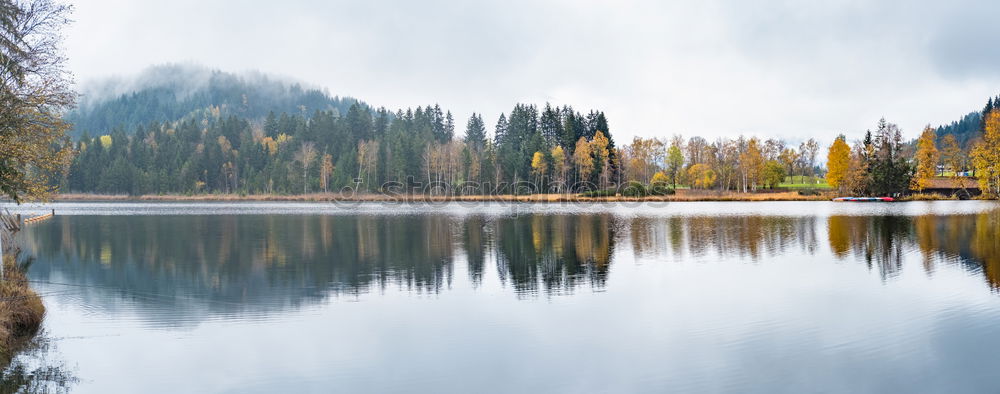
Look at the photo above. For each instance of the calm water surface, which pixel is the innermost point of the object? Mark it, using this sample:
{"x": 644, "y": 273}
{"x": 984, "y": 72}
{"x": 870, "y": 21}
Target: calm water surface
{"x": 678, "y": 297}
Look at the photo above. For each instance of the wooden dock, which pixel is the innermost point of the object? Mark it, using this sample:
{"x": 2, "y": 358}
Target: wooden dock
{"x": 36, "y": 219}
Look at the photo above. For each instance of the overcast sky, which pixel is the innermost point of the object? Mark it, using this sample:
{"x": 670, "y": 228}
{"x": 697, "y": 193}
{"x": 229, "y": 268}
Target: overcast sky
{"x": 790, "y": 69}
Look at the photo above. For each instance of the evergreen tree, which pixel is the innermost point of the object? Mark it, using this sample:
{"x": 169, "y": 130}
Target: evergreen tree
{"x": 475, "y": 133}
{"x": 890, "y": 172}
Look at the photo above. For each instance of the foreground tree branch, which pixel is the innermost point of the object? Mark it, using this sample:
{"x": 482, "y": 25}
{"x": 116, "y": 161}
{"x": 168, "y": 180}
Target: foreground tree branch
{"x": 35, "y": 90}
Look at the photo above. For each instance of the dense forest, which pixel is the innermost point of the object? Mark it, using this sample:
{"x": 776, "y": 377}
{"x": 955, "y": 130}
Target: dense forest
{"x": 224, "y": 147}
{"x": 215, "y": 132}
{"x": 291, "y": 153}
{"x": 966, "y": 129}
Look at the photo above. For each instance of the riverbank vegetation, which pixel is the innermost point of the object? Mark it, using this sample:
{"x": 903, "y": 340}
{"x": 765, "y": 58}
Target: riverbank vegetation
{"x": 21, "y": 309}
{"x": 679, "y": 195}
{"x": 883, "y": 164}
{"x": 34, "y": 93}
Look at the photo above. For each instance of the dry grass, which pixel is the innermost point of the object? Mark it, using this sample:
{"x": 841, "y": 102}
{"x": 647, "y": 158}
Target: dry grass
{"x": 927, "y": 197}
{"x": 682, "y": 195}
{"x": 21, "y": 310}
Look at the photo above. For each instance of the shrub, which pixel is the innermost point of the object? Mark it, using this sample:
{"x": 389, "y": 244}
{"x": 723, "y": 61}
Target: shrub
{"x": 635, "y": 189}
{"x": 660, "y": 189}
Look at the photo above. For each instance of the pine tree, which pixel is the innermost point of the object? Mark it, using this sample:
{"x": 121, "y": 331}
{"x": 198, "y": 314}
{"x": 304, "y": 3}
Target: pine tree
{"x": 475, "y": 133}
{"x": 551, "y": 125}
{"x": 889, "y": 170}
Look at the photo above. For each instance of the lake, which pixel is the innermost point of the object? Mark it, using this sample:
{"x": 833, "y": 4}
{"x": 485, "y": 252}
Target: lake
{"x": 564, "y": 298}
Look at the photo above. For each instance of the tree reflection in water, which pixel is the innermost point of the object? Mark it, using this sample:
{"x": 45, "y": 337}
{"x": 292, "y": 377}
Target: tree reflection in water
{"x": 554, "y": 253}
{"x": 235, "y": 262}
{"x": 752, "y": 237}
{"x": 971, "y": 240}
{"x": 876, "y": 240}
{"x": 37, "y": 369}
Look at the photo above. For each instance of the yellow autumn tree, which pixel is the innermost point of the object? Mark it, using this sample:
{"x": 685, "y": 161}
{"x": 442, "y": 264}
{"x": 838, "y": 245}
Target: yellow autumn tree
{"x": 660, "y": 184}
{"x": 951, "y": 154}
{"x": 559, "y": 166}
{"x": 583, "y": 160}
{"x": 660, "y": 178}
{"x": 35, "y": 92}
{"x": 927, "y": 158}
{"x": 752, "y": 165}
{"x": 599, "y": 146}
{"x": 270, "y": 145}
{"x": 325, "y": 170}
{"x": 538, "y": 168}
{"x": 986, "y": 156}
{"x": 701, "y": 176}
{"x": 838, "y": 163}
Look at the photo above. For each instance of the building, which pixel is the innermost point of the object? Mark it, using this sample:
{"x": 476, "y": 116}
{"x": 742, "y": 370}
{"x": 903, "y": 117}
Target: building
{"x": 963, "y": 187}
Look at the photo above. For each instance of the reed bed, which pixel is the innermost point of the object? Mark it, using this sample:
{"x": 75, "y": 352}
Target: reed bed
{"x": 21, "y": 310}
{"x": 682, "y": 195}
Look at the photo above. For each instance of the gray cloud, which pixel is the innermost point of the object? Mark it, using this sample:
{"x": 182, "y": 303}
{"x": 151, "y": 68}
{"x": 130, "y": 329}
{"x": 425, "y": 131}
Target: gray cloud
{"x": 711, "y": 68}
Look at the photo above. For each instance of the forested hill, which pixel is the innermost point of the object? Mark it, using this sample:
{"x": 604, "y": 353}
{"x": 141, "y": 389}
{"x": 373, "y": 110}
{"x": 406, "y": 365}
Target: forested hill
{"x": 175, "y": 92}
{"x": 965, "y": 129}
{"x": 970, "y": 127}
{"x": 192, "y": 131}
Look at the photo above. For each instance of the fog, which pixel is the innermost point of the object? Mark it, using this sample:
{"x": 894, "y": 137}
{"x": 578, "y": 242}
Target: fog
{"x": 711, "y": 68}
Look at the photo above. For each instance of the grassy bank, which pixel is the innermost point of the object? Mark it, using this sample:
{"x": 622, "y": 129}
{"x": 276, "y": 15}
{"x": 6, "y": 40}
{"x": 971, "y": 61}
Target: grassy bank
{"x": 21, "y": 310}
{"x": 682, "y": 195}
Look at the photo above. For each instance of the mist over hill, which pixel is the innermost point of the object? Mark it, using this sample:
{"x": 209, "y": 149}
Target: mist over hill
{"x": 169, "y": 93}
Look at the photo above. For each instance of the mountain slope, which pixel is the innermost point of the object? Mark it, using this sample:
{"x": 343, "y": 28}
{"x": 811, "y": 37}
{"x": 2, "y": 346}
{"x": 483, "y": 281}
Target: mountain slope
{"x": 965, "y": 129}
{"x": 174, "y": 92}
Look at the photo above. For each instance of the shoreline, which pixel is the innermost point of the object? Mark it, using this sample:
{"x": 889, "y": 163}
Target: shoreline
{"x": 21, "y": 311}
{"x": 682, "y": 196}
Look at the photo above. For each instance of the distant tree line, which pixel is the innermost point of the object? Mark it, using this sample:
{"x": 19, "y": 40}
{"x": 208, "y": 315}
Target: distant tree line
{"x": 876, "y": 166}
{"x": 882, "y": 164}
{"x": 216, "y": 138}
{"x": 365, "y": 150}
{"x": 743, "y": 164}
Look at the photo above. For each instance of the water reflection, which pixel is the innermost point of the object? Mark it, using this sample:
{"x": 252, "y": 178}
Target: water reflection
{"x": 192, "y": 265}
{"x": 556, "y": 253}
{"x": 751, "y": 237}
{"x": 37, "y": 368}
{"x": 878, "y": 241}
{"x": 240, "y": 260}
{"x": 971, "y": 239}
{"x": 882, "y": 242}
